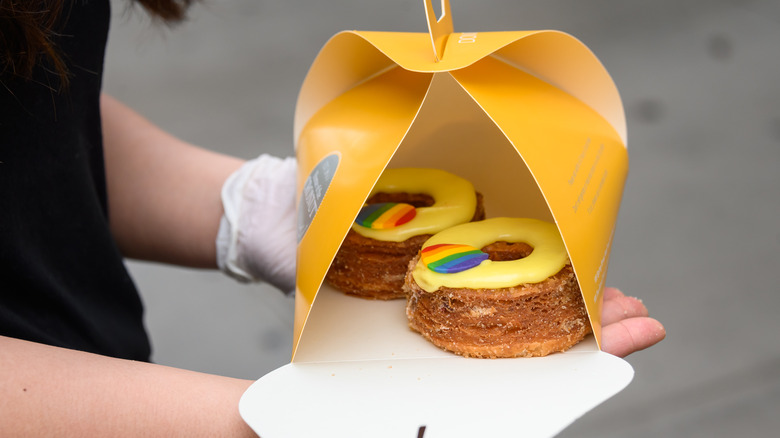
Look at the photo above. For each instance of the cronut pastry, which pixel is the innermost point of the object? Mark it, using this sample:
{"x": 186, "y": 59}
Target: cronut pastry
{"x": 525, "y": 320}
{"x": 375, "y": 269}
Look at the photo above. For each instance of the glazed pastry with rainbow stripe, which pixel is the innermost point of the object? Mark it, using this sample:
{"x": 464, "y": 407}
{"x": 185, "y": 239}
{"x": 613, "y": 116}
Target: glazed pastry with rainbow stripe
{"x": 404, "y": 209}
{"x": 502, "y": 287}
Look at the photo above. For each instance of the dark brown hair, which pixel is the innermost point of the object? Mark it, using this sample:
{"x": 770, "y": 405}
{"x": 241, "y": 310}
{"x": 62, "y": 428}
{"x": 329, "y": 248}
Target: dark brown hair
{"x": 28, "y": 28}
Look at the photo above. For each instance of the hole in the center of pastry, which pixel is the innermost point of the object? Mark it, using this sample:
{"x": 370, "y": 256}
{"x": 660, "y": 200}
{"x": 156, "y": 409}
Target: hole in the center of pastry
{"x": 507, "y": 251}
{"x": 416, "y": 199}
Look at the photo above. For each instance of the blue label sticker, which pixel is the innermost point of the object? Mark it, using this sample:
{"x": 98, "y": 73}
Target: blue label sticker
{"x": 314, "y": 190}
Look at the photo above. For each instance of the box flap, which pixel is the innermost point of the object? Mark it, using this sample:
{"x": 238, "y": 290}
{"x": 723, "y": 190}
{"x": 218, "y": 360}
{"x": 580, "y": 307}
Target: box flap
{"x": 448, "y": 397}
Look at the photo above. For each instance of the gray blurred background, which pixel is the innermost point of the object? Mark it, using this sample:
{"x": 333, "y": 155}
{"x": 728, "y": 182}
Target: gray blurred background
{"x": 697, "y": 237}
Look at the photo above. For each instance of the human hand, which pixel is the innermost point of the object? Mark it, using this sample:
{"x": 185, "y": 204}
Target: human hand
{"x": 626, "y": 328}
{"x": 257, "y": 238}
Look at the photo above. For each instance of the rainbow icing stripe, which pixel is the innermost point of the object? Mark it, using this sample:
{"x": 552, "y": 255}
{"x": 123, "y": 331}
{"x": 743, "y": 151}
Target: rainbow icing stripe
{"x": 385, "y": 215}
{"x": 449, "y": 258}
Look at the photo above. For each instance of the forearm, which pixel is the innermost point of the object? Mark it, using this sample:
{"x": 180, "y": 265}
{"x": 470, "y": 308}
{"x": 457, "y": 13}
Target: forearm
{"x": 163, "y": 193}
{"x": 49, "y": 391}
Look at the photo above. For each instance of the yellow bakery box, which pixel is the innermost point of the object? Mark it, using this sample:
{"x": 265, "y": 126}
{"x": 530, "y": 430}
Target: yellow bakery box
{"x": 535, "y": 122}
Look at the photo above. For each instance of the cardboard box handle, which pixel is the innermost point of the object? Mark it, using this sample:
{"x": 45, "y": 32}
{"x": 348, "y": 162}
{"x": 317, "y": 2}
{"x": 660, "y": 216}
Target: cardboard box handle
{"x": 439, "y": 28}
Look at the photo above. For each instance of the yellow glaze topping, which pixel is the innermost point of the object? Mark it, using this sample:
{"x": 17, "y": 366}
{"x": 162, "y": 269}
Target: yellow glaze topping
{"x": 454, "y": 202}
{"x": 547, "y": 258}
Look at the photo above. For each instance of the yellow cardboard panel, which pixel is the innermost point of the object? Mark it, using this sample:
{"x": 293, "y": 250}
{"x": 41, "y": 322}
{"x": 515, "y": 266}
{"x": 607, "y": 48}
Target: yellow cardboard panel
{"x": 344, "y": 62}
{"x": 576, "y": 157}
{"x": 364, "y": 135}
{"x": 563, "y": 61}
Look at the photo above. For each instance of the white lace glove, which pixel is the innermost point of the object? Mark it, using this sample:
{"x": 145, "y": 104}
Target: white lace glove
{"x": 257, "y": 238}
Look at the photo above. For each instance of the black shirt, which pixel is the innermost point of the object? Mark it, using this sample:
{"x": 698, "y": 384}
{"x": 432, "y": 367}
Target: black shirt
{"x": 63, "y": 281}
